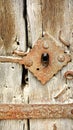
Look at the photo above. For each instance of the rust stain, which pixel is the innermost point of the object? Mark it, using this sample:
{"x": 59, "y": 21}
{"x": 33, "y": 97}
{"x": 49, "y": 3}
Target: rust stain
{"x": 54, "y": 127}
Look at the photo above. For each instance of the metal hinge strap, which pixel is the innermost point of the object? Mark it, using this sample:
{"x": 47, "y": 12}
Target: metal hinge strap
{"x": 35, "y": 111}
{"x": 45, "y": 58}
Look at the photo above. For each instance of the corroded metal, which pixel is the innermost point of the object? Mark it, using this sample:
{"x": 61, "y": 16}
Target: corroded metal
{"x": 44, "y": 60}
{"x": 45, "y": 73}
{"x": 68, "y": 75}
{"x": 35, "y": 111}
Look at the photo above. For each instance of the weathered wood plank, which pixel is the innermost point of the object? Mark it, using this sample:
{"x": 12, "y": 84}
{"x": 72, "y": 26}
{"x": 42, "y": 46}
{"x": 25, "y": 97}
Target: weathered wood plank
{"x": 7, "y": 125}
{"x": 36, "y": 111}
{"x": 55, "y": 17}
{"x": 12, "y": 37}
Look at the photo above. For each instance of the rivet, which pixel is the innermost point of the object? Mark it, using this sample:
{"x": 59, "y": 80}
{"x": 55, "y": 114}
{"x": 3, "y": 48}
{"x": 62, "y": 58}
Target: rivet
{"x": 72, "y": 111}
{"x": 45, "y": 45}
{"x": 61, "y": 58}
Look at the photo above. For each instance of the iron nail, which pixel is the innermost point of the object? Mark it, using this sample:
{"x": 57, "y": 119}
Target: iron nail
{"x": 68, "y": 75}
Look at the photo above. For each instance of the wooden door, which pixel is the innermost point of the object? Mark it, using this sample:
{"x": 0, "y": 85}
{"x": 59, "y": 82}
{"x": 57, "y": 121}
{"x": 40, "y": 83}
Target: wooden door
{"x": 21, "y": 24}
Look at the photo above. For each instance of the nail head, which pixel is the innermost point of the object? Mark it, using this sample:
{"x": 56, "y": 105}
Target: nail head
{"x": 61, "y": 58}
{"x": 45, "y": 45}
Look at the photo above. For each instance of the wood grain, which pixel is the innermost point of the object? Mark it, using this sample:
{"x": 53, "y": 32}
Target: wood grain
{"x": 56, "y": 15}
{"x": 12, "y": 37}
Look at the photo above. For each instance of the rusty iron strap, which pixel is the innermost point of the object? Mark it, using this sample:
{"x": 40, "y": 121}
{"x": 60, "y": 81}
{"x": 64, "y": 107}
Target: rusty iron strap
{"x": 68, "y": 75}
{"x": 35, "y": 111}
{"x": 45, "y": 58}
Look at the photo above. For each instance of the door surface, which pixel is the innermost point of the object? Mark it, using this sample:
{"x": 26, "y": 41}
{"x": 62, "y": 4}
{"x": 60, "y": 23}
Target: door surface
{"x": 22, "y": 22}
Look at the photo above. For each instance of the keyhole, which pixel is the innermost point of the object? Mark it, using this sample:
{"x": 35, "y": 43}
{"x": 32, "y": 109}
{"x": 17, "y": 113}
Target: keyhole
{"x": 45, "y": 59}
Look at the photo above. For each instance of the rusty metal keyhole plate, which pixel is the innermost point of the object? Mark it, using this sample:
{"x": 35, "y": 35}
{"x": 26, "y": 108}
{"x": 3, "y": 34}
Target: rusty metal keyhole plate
{"x": 57, "y": 59}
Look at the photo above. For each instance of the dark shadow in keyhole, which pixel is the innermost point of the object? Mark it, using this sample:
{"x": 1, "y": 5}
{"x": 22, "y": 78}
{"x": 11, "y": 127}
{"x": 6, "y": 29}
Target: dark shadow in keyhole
{"x": 37, "y": 69}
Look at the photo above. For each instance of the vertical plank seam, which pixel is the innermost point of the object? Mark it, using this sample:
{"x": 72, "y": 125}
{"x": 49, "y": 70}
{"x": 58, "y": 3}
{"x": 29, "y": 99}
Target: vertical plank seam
{"x": 42, "y": 17}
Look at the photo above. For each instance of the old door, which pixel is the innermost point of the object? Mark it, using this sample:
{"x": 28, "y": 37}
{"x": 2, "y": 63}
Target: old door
{"x": 21, "y": 24}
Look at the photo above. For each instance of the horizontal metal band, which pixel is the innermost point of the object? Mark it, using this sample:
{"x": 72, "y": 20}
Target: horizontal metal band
{"x": 35, "y": 111}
